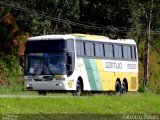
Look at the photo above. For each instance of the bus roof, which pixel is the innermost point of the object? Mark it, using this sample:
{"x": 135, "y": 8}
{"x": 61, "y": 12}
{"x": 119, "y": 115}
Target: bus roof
{"x": 50, "y": 37}
{"x": 82, "y": 37}
{"x": 102, "y": 38}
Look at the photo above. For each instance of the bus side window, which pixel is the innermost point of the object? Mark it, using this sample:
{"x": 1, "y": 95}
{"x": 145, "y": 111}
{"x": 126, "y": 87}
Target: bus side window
{"x": 127, "y": 52}
{"x": 89, "y": 48}
{"x": 116, "y": 51}
{"x": 120, "y": 52}
{"x": 134, "y": 52}
{"x": 70, "y": 45}
{"x": 109, "y": 50}
{"x": 131, "y": 52}
{"x": 112, "y": 52}
{"x": 99, "y": 51}
{"x": 92, "y": 49}
{"x": 80, "y": 48}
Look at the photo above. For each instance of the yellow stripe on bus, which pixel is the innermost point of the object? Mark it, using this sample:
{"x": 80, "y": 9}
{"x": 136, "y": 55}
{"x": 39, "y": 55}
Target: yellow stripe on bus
{"x": 104, "y": 76}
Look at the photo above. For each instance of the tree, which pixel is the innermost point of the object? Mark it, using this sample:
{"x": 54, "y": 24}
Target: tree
{"x": 146, "y": 64}
{"x": 112, "y": 18}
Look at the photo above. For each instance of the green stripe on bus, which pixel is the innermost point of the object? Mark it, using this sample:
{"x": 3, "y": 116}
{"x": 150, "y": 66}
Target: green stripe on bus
{"x": 92, "y": 73}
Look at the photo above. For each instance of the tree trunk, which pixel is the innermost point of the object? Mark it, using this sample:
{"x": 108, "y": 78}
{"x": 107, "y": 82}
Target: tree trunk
{"x": 147, "y": 48}
{"x": 59, "y": 15}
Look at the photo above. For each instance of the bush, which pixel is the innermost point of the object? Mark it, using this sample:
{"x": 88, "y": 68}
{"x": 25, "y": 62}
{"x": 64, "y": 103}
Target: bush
{"x": 10, "y": 71}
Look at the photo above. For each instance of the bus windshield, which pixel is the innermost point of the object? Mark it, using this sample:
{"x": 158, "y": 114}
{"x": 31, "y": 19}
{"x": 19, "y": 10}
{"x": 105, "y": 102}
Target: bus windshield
{"x": 46, "y": 63}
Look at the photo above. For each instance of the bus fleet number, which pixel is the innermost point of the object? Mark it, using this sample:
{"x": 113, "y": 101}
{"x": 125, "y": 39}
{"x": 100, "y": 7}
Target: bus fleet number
{"x": 131, "y": 66}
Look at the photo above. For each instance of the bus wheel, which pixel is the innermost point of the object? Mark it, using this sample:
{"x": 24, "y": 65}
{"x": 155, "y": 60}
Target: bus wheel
{"x": 124, "y": 87}
{"x": 78, "y": 88}
{"x": 42, "y": 92}
{"x": 117, "y": 88}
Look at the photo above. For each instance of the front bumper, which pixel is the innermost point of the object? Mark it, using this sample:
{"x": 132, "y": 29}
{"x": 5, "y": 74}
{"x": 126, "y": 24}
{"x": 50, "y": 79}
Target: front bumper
{"x": 45, "y": 85}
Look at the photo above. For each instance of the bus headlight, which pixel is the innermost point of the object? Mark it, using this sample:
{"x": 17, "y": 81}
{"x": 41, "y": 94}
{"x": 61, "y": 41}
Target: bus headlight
{"x": 29, "y": 87}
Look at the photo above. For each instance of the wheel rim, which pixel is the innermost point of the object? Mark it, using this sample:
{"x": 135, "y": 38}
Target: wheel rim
{"x": 124, "y": 87}
{"x": 117, "y": 88}
{"x": 78, "y": 89}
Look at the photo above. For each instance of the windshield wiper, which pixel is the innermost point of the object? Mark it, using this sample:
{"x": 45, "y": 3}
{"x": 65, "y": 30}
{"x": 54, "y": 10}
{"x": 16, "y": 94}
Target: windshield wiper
{"x": 45, "y": 65}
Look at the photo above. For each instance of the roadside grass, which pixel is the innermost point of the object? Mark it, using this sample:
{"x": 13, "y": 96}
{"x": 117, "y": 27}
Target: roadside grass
{"x": 14, "y": 89}
{"x": 97, "y": 104}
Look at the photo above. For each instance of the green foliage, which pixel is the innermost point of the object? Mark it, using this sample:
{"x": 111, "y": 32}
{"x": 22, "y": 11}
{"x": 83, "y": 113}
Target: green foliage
{"x": 11, "y": 70}
{"x": 13, "y": 65}
{"x": 117, "y": 15}
{"x": 154, "y": 78}
{"x": 45, "y": 17}
{"x": 39, "y": 27}
{"x": 153, "y": 84}
{"x": 4, "y": 11}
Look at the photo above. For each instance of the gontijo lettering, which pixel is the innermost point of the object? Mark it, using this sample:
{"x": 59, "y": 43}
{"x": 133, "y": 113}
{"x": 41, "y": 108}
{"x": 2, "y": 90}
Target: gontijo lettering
{"x": 113, "y": 65}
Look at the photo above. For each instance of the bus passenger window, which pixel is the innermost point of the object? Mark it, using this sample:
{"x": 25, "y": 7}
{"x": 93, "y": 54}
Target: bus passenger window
{"x": 116, "y": 51}
{"x": 89, "y": 47}
{"x": 134, "y": 52}
{"x": 106, "y": 48}
{"x": 80, "y": 48}
{"x": 78, "y": 51}
{"x": 109, "y": 50}
{"x": 99, "y": 51}
{"x": 127, "y": 52}
{"x": 70, "y": 45}
{"x": 120, "y": 51}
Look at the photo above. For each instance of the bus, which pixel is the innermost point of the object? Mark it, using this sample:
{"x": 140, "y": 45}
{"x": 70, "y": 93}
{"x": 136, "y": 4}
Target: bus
{"x": 79, "y": 63}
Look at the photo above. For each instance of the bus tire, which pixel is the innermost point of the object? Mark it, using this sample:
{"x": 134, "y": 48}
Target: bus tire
{"x": 79, "y": 88}
{"x": 124, "y": 87}
{"x": 42, "y": 93}
{"x": 118, "y": 88}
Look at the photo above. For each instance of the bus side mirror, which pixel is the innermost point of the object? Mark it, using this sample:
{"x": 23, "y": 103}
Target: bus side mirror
{"x": 69, "y": 60}
{"x": 22, "y": 61}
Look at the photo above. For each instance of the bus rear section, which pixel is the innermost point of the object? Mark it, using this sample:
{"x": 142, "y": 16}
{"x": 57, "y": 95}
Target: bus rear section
{"x": 104, "y": 64}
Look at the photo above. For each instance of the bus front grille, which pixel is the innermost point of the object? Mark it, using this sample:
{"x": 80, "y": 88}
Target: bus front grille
{"x": 44, "y": 79}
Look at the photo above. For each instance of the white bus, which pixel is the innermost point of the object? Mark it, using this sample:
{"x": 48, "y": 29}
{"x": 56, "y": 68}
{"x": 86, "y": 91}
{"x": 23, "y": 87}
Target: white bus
{"x": 80, "y": 62}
